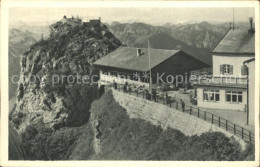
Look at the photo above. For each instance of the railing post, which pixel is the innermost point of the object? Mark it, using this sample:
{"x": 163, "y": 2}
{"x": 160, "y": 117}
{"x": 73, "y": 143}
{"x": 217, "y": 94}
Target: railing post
{"x": 198, "y": 112}
{"x": 176, "y": 105}
{"x": 249, "y": 136}
{"x": 234, "y": 128}
{"x": 190, "y": 110}
{"x": 218, "y": 121}
{"x": 212, "y": 117}
{"x": 204, "y": 115}
{"x": 226, "y": 125}
{"x": 242, "y": 132}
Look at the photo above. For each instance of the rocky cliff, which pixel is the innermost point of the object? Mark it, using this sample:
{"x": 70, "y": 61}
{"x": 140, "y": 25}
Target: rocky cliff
{"x": 19, "y": 42}
{"x": 68, "y": 53}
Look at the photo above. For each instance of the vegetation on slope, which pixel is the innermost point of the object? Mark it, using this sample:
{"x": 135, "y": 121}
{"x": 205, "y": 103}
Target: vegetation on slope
{"x": 43, "y": 143}
{"x": 123, "y": 138}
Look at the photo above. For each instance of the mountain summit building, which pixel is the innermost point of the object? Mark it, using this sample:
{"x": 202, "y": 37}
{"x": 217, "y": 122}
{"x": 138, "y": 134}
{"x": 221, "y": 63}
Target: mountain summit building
{"x": 228, "y": 88}
{"x": 131, "y": 65}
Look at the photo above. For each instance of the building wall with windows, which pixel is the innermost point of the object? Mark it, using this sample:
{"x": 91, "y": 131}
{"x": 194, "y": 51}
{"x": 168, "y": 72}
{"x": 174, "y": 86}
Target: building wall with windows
{"x": 235, "y": 63}
{"x": 222, "y": 98}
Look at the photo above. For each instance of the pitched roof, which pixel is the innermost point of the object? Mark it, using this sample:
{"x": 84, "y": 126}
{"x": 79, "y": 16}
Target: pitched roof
{"x": 237, "y": 41}
{"x": 126, "y": 58}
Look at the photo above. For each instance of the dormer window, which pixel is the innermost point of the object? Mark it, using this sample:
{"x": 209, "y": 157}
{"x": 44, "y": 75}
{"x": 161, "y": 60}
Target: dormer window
{"x": 226, "y": 69}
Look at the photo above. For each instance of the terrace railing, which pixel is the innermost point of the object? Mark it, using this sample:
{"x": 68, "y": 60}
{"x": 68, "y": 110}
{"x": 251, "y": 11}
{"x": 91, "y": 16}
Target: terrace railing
{"x": 237, "y": 130}
{"x": 221, "y": 80}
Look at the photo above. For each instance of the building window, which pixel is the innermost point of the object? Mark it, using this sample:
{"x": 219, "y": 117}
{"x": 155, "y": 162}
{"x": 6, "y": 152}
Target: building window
{"x": 211, "y": 95}
{"x": 105, "y": 72}
{"x": 114, "y": 74}
{"x": 226, "y": 69}
{"x": 234, "y": 96}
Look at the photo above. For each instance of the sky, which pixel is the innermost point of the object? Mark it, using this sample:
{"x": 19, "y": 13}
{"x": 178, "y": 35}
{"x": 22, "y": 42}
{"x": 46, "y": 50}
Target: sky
{"x": 155, "y": 16}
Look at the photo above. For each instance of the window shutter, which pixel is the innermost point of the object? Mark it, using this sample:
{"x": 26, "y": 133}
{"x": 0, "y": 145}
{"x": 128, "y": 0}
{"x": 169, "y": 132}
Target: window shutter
{"x": 221, "y": 69}
{"x": 231, "y": 69}
{"x": 244, "y": 70}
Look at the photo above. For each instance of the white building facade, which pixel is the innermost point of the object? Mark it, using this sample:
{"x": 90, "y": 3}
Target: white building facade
{"x": 228, "y": 86}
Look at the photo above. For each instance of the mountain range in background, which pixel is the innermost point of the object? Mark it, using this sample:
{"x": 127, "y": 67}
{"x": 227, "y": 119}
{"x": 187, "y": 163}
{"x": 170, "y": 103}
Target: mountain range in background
{"x": 196, "y": 39}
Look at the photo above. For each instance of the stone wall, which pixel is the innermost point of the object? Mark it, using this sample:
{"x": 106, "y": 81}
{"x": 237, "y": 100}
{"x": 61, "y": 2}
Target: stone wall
{"x": 166, "y": 117}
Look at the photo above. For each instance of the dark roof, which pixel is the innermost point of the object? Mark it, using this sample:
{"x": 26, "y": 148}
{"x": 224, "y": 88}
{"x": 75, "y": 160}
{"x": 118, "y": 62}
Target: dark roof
{"x": 237, "y": 41}
{"x": 126, "y": 58}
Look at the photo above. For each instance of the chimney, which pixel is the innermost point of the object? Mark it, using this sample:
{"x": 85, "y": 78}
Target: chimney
{"x": 138, "y": 52}
{"x": 251, "y": 30}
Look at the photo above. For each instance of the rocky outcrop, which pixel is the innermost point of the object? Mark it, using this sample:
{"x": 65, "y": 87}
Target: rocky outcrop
{"x": 19, "y": 42}
{"x": 46, "y": 91}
